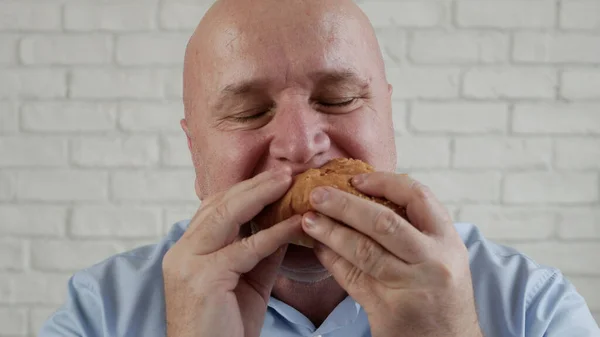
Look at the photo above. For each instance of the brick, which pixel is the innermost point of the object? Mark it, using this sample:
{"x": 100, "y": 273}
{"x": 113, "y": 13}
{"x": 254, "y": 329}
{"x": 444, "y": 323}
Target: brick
{"x": 578, "y": 258}
{"x": 112, "y": 221}
{"x": 393, "y": 45}
{"x": 556, "y": 48}
{"x": 29, "y": 16}
{"x": 178, "y": 213}
{"x": 32, "y": 220}
{"x": 8, "y": 52}
{"x": 130, "y": 151}
{"x": 151, "y": 117}
{"x": 114, "y": 17}
{"x": 424, "y": 82}
{"x": 9, "y": 117}
{"x": 33, "y": 288}
{"x": 588, "y": 288}
{"x": 62, "y": 185}
{"x": 405, "y": 13}
{"x": 33, "y": 151}
{"x": 12, "y": 254}
{"x": 13, "y": 321}
{"x": 451, "y": 116}
{"x": 38, "y": 317}
{"x": 580, "y": 14}
{"x": 505, "y": 13}
{"x": 116, "y": 83}
{"x": 8, "y": 185}
{"x": 422, "y": 152}
{"x": 558, "y": 118}
{"x": 399, "y": 113}
{"x": 580, "y": 84}
{"x": 175, "y": 152}
{"x": 33, "y": 83}
{"x": 579, "y": 223}
{"x": 459, "y": 47}
{"x": 510, "y": 83}
{"x": 181, "y": 15}
{"x": 173, "y": 83}
{"x": 455, "y": 186}
{"x": 66, "y": 49}
{"x": 151, "y": 49}
{"x": 64, "y": 255}
{"x": 69, "y": 116}
{"x": 543, "y": 187}
{"x": 154, "y": 186}
{"x": 510, "y": 223}
{"x": 578, "y": 153}
{"x": 497, "y": 152}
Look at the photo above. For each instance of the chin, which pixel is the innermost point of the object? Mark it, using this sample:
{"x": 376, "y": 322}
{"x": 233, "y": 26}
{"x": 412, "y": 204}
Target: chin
{"x": 300, "y": 264}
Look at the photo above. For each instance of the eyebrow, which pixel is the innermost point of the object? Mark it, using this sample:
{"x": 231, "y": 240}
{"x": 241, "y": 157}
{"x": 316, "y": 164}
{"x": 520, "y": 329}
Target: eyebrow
{"x": 346, "y": 78}
{"x": 340, "y": 77}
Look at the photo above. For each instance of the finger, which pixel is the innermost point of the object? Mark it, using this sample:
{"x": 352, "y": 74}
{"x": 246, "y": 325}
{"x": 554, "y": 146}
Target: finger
{"x": 242, "y": 256}
{"x": 357, "y": 284}
{"x": 235, "y": 189}
{"x": 219, "y": 222}
{"x": 262, "y": 277}
{"x": 376, "y": 221}
{"x": 423, "y": 209}
{"x": 356, "y": 248}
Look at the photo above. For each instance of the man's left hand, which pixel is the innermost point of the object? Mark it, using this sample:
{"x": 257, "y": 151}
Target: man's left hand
{"x": 411, "y": 278}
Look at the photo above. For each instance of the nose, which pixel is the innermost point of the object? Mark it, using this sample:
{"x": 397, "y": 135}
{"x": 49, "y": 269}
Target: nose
{"x": 299, "y": 135}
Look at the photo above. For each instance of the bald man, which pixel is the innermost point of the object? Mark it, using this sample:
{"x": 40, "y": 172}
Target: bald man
{"x": 272, "y": 88}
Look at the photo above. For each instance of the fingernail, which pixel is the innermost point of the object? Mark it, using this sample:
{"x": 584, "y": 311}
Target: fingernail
{"x": 319, "y": 195}
{"x": 358, "y": 180}
{"x": 310, "y": 219}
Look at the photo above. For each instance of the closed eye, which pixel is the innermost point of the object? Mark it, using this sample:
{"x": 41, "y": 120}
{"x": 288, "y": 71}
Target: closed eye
{"x": 338, "y": 104}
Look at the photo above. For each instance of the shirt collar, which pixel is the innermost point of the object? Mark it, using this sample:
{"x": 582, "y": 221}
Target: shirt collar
{"x": 343, "y": 315}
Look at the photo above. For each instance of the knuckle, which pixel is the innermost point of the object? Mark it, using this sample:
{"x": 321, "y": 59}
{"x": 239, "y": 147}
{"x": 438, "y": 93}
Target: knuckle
{"x": 249, "y": 246}
{"x": 353, "y": 276}
{"x": 221, "y": 211}
{"x": 366, "y": 254}
{"x": 383, "y": 271}
{"x": 343, "y": 203}
{"x": 421, "y": 191}
{"x": 386, "y": 222}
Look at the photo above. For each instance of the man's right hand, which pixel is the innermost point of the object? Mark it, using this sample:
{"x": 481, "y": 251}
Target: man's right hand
{"x": 216, "y": 283}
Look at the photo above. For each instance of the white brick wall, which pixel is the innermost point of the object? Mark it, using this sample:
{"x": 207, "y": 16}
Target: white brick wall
{"x": 496, "y": 107}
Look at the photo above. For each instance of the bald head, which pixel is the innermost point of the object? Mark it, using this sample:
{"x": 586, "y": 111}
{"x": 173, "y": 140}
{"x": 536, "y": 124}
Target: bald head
{"x": 289, "y": 36}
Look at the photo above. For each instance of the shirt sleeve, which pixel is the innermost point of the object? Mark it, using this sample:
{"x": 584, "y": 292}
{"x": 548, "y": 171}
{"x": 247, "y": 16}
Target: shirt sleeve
{"x": 80, "y": 315}
{"x": 556, "y": 309}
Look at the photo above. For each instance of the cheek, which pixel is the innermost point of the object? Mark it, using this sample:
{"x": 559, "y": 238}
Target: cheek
{"x": 229, "y": 158}
{"x": 366, "y": 136}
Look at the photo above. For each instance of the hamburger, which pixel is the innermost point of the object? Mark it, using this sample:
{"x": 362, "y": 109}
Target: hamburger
{"x": 336, "y": 173}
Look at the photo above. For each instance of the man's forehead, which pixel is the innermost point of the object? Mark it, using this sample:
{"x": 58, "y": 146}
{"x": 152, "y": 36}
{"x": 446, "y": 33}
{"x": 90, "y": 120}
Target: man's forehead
{"x": 278, "y": 44}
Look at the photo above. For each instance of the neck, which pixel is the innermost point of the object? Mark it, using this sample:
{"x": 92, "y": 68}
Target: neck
{"x": 314, "y": 300}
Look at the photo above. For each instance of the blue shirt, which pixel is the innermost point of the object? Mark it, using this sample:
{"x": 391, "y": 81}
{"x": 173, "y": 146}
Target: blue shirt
{"x": 123, "y": 296}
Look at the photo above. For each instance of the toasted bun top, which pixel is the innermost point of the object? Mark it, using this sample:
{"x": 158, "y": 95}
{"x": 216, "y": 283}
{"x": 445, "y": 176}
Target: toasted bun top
{"x": 336, "y": 173}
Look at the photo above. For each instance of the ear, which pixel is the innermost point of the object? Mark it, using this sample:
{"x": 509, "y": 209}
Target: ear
{"x": 390, "y": 89}
{"x": 197, "y": 189}
{"x": 186, "y": 130}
